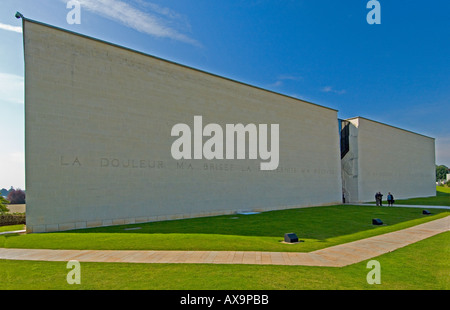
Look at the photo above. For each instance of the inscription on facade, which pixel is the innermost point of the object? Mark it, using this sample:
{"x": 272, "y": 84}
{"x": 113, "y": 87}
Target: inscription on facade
{"x": 214, "y": 167}
{"x": 130, "y": 163}
{"x": 69, "y": 161}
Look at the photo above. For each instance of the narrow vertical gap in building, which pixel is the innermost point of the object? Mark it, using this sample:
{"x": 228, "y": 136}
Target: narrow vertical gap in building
{"x": 344, "y": 133}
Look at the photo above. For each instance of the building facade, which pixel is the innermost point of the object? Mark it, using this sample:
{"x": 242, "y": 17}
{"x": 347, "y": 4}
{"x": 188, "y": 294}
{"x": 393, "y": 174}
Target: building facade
{"x": 100, "y": 122}
{"x": 114, "y": 136}
{"x": 380, "y": 158}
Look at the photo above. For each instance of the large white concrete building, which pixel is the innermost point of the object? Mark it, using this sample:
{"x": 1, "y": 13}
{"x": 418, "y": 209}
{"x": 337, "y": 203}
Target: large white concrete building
{"x": 99, "y": 138}
{"x": 380, "y": 158}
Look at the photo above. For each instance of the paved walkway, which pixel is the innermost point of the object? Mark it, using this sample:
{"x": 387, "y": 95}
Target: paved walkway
{"x": 13, "y": 232}
{"x": 335, "y": 256}
{"x": 401, "y": 206}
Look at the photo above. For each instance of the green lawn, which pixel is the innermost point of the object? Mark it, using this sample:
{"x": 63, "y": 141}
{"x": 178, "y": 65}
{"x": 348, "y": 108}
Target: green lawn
{"x": 443, "y": 189}
{"x": 319, "y": 227}
{"x": 424, "y": 265}
{"x": 11, "y": 228}
{"x": 442, "y": 198}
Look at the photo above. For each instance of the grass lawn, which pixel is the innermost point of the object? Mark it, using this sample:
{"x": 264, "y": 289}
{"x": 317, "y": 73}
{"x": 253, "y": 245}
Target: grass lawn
{"x": 424, "y": 265}
{"x": 11, "y": 228}
{"x": 442, "y": 198}
{"x": 319, "y": 227}
{"x": 443, "y": 189}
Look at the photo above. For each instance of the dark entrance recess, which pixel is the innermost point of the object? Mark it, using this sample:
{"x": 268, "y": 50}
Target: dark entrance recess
{"x": 344, "y": 133}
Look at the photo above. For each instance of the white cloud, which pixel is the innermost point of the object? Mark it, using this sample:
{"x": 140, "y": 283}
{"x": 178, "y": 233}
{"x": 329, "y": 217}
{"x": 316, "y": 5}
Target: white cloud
{"x": 166, "y": 12}
{"x": 11, "y": 28}
{"x": 149, "y": 18}
{"x": 11, "y": 88}
{"x": 276, "y": 84}
{"x": 289, "y": 77}
{"x": 285, "y": 77}
{"x": 329, "y": 89}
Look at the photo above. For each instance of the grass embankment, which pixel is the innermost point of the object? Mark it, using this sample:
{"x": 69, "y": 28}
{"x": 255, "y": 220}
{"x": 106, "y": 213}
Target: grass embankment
{"x": 442, "y": 198}
{"x": 11, "y": 227}
{"x": 318, "y": 227}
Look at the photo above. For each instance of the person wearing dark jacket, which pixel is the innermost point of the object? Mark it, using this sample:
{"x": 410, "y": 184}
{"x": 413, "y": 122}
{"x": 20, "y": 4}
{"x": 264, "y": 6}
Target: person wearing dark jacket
{"x": 378, "y": 199}
{"x": 390, "y": 199}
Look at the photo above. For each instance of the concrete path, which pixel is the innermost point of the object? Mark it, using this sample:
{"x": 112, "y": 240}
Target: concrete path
{"x": 13, "y": 232}
{"x": 401, "y": 206}
{"x": 336, "y": 256}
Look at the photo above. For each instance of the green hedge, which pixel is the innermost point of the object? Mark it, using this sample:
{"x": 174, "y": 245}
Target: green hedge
{"x": 12, "y": 219}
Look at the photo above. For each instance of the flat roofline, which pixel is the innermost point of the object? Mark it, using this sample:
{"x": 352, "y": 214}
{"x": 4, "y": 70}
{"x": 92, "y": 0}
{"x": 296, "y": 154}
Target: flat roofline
{"x": 419, "y": 134}
{"x": 167, "y": 61}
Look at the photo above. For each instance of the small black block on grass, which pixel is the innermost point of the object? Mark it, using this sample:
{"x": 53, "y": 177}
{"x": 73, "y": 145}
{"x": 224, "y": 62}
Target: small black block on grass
{"x": 426, "y": 212}
{"x": 290, "y": 238}
{"x": 377, "y": 222}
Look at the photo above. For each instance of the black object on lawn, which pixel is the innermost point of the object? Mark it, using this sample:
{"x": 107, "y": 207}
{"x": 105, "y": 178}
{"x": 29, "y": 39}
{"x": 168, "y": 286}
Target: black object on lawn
{"x": 290, "y": 238}
{"x": 377, "y": 222}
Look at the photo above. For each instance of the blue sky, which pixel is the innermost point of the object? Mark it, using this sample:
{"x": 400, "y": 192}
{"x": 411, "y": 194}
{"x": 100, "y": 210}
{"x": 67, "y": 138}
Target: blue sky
{"x": 325, "y": 52}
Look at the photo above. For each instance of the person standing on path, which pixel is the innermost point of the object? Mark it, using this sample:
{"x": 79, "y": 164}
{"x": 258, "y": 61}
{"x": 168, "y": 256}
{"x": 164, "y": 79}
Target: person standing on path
{"x": 390, "y": 199}
{"x": 378, "y": 199}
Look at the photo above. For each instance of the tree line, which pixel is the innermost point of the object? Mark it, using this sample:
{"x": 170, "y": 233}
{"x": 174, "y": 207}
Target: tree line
{"x": 14, "y": 196}
{"x": 441, "y": 172}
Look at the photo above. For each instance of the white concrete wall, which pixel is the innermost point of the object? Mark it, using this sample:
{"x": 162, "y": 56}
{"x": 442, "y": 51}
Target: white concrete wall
{"x": 393, "y": 160}
{"x": 98, "y": 139}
